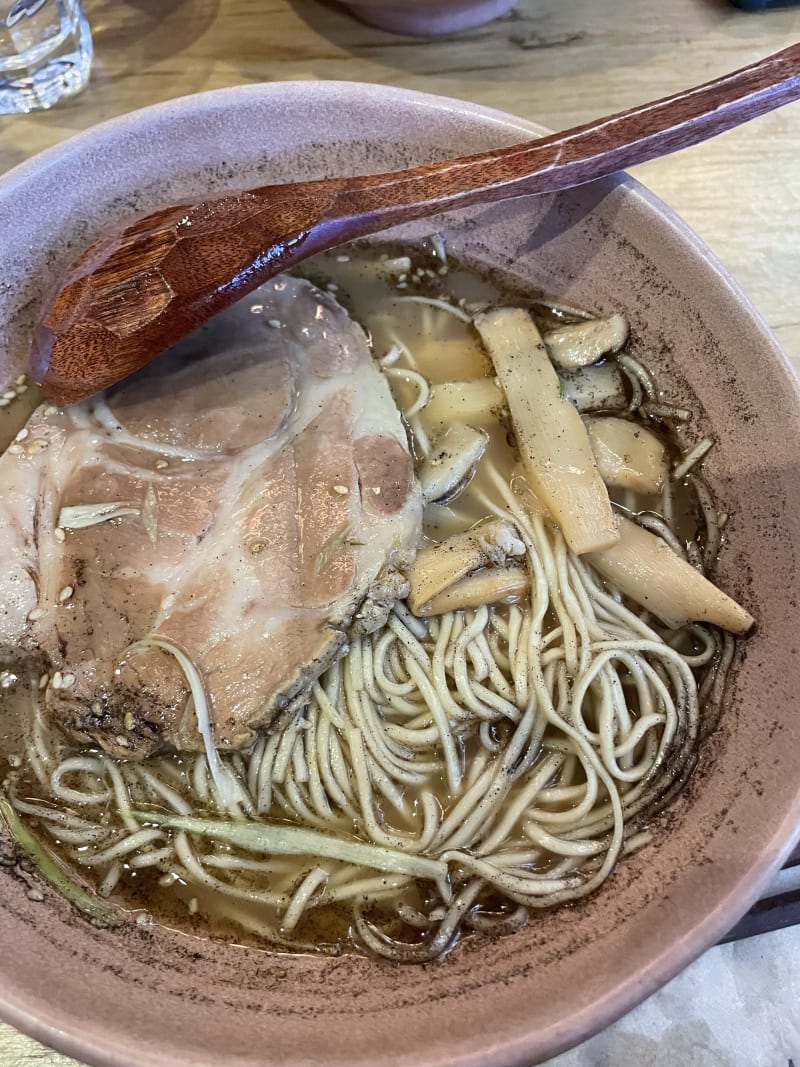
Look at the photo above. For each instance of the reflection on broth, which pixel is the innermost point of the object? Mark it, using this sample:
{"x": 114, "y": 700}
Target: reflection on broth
{"x": 480, "y": 731}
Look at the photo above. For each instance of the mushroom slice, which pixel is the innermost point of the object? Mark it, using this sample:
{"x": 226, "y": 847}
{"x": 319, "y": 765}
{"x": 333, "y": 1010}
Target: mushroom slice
{"x": 598, "y": 388}
{"x": 582, "y": 343}
{"x": 437, "y": 568}
{"x": 455, "y": 452}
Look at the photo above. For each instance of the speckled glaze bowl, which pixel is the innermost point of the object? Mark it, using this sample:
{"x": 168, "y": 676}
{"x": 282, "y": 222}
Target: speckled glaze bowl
{"x": 150, "y": 996}
{"x": 424, "y": 18}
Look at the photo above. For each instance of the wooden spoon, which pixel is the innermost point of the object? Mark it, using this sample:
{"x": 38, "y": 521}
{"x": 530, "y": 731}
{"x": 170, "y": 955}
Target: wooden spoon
{"x": 136, "y": 292}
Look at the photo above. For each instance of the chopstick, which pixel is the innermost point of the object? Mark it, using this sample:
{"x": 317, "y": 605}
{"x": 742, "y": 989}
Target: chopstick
{"x": 775, "y": 910}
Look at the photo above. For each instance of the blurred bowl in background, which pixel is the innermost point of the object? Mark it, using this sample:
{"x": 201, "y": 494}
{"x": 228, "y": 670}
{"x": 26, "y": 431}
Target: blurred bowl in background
{"x": 423, "y": 18}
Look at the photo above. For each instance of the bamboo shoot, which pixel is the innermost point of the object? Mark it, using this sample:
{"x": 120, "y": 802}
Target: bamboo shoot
{"x": 492, "y": 585}
{"x": 628, "y": 455}
{"x": 644, "y": 568}
{"x": 477, "y": 402}
{"x": 551, "y": 437}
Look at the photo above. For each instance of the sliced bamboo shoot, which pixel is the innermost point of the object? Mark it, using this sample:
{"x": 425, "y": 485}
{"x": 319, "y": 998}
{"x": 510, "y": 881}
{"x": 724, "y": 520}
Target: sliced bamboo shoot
{"x": 628, "y": 455}
{"x": 455, "y": 452}
{"x": 552, "y": 439}
{"x": 440, "y": 566}
{"x": 477, "y": 402}
{"x": 492, "y": 585}
{"x": 583, "y": 343}
{"x": 645, "y": 568}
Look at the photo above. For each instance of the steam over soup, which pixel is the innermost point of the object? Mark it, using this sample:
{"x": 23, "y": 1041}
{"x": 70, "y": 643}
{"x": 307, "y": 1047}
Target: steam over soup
{"x": 374, "y": 612}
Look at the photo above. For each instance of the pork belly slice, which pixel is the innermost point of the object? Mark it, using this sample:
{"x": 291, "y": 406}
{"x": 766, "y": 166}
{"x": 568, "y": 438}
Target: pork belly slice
{"x": 247, "y": 498}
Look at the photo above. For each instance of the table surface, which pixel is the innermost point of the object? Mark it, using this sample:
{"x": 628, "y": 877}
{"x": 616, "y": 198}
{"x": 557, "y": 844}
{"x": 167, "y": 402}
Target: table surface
{"x": 560, "y": 64}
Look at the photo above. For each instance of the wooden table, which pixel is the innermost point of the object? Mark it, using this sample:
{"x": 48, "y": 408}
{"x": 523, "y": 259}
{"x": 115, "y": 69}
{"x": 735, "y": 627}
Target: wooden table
{"x": 559, "y": 63}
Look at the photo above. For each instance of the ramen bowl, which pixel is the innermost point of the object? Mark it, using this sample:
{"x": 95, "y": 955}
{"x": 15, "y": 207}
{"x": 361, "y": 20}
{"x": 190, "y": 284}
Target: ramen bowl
{"x": 422, "y": 18}
{"x": 147, "y": 995}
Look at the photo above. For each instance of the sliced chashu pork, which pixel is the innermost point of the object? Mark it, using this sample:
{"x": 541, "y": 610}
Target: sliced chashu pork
{"x": 245, "y": 499}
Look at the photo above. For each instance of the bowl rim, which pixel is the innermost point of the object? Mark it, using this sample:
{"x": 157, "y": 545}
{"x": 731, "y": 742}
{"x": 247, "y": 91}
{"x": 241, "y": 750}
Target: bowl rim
{"x": 63, "y": 1032}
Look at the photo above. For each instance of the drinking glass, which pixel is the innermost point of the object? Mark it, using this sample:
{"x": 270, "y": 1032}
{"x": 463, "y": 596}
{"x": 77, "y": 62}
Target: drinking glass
{"x": 45, "y": 53}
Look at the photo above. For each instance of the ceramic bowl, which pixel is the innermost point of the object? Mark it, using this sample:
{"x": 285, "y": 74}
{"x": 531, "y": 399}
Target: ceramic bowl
{"x": 424, "y": 18}
{"x": 150, "y": 996}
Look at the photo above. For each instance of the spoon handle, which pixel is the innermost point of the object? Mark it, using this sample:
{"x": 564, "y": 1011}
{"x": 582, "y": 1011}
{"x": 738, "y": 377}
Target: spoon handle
{"x": 134, "y": 293}
{"x": 579, "y": 155}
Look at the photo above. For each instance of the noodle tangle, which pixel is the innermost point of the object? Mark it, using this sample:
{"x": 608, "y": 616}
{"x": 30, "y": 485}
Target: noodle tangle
{"x": 459, "y": 771}
{"x": 536, "y": 738}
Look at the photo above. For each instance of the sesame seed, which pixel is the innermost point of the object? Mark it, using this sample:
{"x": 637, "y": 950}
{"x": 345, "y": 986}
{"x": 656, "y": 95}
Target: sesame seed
{"x": 37, "y": 613}
{"x": 15, "y": 450}
{"x": 36, "y": 895}
{"x": 274, "y": 323}
{"x": 97, "y": 708}
{"x": 402, "y": 285}
{"x": 121, "y": 741}
{"x": 23, "y": 433}
{"x": 342, "y": 259}
{"x": 50, "y": 409}
{"x": 256, "y": 309}
{"x": 376, "y": 489}
{"x": 193, "y": 906}
{"x": 3, "y": 402}
{"x": 161, "y": 464}
{"x": 402, "y": 277}
{"x": 21, "y": 389}
{"x": 14, "y": 760}
{"x": 10, "y": 395}
{"x": 60, "y": 534}
{"x": 129, "y": 721}
{"x": 65, "y": 593}
{"x": 342, "y": 490}
{"x": 67, "y": 681}
{"x": 58, "y": 680}
{"x": 35, "y": 447}
{"x": 43, "y": 680}
{"x": 21, "y": 379}
{"x": 332, "y": 287}
{"x": 442, "y": 271}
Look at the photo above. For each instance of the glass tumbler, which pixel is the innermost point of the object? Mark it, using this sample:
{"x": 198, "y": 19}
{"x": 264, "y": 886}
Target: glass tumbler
{"x": 45, "y": 53}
